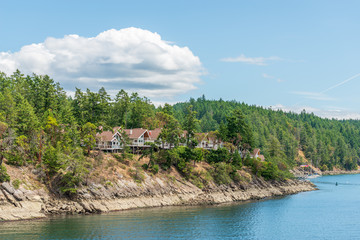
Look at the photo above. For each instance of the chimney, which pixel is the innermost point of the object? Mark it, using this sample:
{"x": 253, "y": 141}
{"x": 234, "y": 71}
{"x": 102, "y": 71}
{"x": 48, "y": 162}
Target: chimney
{"x": 130, "y": 131}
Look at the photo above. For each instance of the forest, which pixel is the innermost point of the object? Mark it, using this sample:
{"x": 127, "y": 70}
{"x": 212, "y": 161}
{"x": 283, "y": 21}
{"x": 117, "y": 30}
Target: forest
{"x": 41, "y": 125}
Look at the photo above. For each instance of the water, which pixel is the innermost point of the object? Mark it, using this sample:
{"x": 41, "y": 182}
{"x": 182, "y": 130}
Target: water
{"x": 333, "y": 212}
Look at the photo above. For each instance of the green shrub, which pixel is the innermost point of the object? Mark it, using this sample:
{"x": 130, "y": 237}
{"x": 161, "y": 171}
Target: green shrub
{"x": 155, "y": 169}
{"x": 269, "y": 171}
{"x": 121, "y": 159}
{"x": 221, "y": 173}
{"x": 324, "y": 168}
{"x": 197, "y": 181}
{"x": 51, "y": 160}
{"x": 4, "y": 177}
{"x": 236, "y": 177}
{"x": 137, "y": 175}
{"x": 219, "y": 155}
{"x": 236, "y": 160}
{"x": 15, "y": 159}
{"x": 16, "y": 183}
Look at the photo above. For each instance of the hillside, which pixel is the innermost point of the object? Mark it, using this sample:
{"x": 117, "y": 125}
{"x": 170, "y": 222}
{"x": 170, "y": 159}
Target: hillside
{"x": 52, "y": 138}
{"x": 327, "y": 143}
{"x": 119, "y": 185}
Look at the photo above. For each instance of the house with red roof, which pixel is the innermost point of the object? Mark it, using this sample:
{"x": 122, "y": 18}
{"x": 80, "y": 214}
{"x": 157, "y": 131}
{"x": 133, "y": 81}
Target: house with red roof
{"x": 256, "y": 154}
{"x": 109, "y": 140}
{"x": 155, "y": 137}
{"x": 138, "y": 136}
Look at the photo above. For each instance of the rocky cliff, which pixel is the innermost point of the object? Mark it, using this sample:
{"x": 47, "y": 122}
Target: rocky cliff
{"x": 154, "y": 191}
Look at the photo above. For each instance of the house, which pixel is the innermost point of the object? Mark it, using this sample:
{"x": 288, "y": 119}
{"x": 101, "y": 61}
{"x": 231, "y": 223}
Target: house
{"x": 108, "y": 140}
{"x": 208, "y": 141}
{"x": 138, "y": 136}
{"x": 256, "y": 154}
{"x": 155, "y": 137}
{"x": 154, "y": 134}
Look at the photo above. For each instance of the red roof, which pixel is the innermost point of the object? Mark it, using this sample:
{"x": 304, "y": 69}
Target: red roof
{"x": 105, "y": 135}
{"x": 117, "y": 129}
{"x": 135, "y": 133}
{"x": 256, "y": 151}
{"x": 154, "y": 134}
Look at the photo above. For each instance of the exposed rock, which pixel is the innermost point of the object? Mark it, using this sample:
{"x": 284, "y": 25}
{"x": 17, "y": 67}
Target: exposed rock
{"x": 18, "y": 195}
{"x": 8, "y": 187}
{"x": 126, "y": 194}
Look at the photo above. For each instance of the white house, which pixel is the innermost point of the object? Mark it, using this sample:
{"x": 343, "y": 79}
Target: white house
{"x": 138, "y": 136}
{"x": 109, "y": 141}
{"x": 208, "y": 141}
{"x": 256, "y": 154}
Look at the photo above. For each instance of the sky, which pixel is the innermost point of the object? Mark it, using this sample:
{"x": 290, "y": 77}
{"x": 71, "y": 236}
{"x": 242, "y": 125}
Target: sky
{"x": 289, "y": 55}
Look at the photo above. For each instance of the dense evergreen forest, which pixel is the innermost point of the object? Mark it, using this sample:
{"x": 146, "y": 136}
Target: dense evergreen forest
{"x": 42, "y": 126}
{"x": 327, "y": 143}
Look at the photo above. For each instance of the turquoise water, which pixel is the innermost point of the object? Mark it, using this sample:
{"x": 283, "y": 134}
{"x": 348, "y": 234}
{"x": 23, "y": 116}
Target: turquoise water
{"x": 333, "y": 212}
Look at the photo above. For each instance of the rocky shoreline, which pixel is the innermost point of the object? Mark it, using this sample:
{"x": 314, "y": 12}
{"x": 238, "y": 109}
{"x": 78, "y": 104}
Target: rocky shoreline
{"x": 21, "y": 204}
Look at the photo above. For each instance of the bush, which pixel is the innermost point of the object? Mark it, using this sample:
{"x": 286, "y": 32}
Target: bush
{"x": 121, "y": 159}
{"x": 155, "y": 169}
{"x": 137, "y": 175}
{"x": 15, "y": 159}
{"x": 324, "y": 168}
{"x": 51, "y": 160}
{"x": 73, "y": 171}
{"x": 197, "y": 181}
{"x": 69, "y": 183}
{"x": 236, "y": 177}
{"x": 219, "y": 155}
{"x": 185, "y": 168}
{"x": 16, "y": 183}
{"x": 4, "y": 177}
{"x": 221, "y": 173}
{"x": 269, "y": 171}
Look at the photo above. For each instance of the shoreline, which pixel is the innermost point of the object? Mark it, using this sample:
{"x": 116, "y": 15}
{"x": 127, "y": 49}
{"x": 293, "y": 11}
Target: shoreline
{"x": 41, "y": 205}
{"x": 340, "y": 172}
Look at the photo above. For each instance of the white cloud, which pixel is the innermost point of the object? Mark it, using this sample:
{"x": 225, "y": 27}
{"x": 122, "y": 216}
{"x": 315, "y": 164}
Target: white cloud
{"x": 331, "y": 112}
{"x": 133, "y": 59}
{"x": 272, "y": 77}
{"x": 261, "y": 61}
{"x": 315, "y": 96}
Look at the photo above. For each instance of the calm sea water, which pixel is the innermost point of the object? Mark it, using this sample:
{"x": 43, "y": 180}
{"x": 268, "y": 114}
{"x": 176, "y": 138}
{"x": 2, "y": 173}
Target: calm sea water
{"x": 333, "y": 212}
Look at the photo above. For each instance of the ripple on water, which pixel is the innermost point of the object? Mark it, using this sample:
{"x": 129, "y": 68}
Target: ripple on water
{"x": 330, "y": 213}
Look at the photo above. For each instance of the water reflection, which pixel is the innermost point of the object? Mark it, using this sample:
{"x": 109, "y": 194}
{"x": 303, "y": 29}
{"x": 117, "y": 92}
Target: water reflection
{"x": 331, "y": 213}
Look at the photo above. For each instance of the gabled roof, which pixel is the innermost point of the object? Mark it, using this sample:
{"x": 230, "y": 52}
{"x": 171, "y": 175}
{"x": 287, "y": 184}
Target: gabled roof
{"x": 154, "y": 134}
{"x": 256, "y": 151}
{"x": 117, "y": 129}
{"x": 107, "y": 135}
{"x": 135, "y": 133}
{"x": 201, "y": 136}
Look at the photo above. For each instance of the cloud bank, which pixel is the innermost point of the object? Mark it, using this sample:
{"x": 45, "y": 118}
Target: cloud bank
{"x": 133, "y": 59}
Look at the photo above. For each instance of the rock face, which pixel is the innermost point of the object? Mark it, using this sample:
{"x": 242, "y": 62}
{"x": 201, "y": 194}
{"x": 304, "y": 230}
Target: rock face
{"x": 126, "y": 194}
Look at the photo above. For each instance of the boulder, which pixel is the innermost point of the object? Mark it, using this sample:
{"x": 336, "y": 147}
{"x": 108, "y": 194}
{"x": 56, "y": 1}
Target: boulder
{"x": 18, "y": 195}
{"x": 8, "y": 187}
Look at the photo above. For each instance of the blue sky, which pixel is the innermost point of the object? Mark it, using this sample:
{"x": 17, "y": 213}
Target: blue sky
{"x": 285, "y": 54}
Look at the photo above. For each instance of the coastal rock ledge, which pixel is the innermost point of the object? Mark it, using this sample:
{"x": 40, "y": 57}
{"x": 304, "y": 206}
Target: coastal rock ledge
{"x": 21, "y": 204}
